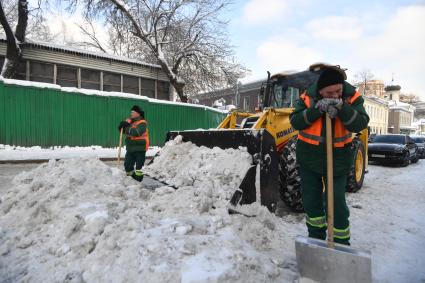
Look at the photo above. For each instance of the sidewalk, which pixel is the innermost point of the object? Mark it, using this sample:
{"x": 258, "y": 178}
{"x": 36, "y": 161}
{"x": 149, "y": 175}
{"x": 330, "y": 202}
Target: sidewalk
{"x": 36, "y": 154}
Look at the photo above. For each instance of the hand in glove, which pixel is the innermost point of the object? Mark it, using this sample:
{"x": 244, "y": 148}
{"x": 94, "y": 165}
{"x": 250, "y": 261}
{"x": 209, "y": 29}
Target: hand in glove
{"x": 123, "y": 124}
{"x": 330, "y": 106}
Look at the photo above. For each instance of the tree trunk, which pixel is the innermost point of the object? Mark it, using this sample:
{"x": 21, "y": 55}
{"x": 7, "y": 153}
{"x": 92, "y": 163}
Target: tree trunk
{"x": 179, "y": 89}
{"x": 174, "y": 80}
{"x": 13, "y": 50}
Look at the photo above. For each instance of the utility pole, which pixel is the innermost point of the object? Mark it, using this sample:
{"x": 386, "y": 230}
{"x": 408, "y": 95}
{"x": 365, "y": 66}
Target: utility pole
{"x": 237, "y": 94}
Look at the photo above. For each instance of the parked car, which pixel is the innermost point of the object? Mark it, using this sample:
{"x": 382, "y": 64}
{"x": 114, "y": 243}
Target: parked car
{"x": 420, "y": 142}
{"x": 393, "y": 149}
{"x": 371, "y": 137}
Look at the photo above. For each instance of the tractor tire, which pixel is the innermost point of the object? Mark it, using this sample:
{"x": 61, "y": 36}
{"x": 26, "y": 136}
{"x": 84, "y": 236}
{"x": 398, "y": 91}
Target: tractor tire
{"x": 355, "y": 177}
{"x": 289, "y": 178}
{"x": 406, "y": 160}
{"x": 416, "y": 159}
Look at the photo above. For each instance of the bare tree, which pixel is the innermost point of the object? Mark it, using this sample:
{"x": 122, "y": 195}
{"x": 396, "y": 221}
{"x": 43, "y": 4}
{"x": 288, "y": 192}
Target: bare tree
{"x": 361, "y": 79}
{"x": 87, "y": 29}
{"x": 14, "y": 39}
{"x": 18, "y": 13}
{"x": 187, "y": 38}
{"x": 409, "y": 98}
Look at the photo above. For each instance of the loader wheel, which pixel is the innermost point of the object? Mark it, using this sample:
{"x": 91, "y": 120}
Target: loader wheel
{"x": 356, "y": 175}
{"x": 289, "y": 178}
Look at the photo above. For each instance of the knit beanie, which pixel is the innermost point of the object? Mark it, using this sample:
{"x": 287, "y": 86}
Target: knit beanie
{"x": 329, "y": 76}
{"x": 138, "y": 110}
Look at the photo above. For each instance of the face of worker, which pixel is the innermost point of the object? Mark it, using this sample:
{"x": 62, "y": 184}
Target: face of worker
{"x": 332, "y": 91}
{"x": 134, "y": 114}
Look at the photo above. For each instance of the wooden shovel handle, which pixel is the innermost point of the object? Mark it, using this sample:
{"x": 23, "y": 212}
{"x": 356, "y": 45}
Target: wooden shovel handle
{"x": 119, "y": 148}
{"x": 330, "y": 179}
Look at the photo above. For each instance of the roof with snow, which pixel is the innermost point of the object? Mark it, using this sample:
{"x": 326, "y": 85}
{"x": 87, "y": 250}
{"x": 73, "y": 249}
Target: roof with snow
{"x": 82, "y": 52}
{"x": 377, "y": 100}
{"x": 398, "y": 105}
{"x": 392, "y": 87}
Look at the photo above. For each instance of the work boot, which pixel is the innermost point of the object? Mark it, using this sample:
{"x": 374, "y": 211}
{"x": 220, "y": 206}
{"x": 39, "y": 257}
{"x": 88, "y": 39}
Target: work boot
{"x": 137, "y": 175}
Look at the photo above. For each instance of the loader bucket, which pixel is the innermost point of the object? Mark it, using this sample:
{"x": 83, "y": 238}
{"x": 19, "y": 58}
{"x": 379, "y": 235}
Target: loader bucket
{"x": 260, "y": 144}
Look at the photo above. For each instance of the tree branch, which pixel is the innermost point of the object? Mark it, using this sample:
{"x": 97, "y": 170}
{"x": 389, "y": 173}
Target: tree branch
{"x": 92, "y": 35}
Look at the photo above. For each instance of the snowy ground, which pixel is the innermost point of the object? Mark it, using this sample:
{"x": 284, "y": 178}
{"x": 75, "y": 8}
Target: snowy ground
{"x": 81, "y": 220}
{"x": 9, "y": 153}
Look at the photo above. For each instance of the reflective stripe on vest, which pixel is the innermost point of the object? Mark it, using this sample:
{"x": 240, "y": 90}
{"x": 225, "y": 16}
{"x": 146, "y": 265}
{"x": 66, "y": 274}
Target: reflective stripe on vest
{"x": 313, "y": 134}
{"x": 144, "y": 136}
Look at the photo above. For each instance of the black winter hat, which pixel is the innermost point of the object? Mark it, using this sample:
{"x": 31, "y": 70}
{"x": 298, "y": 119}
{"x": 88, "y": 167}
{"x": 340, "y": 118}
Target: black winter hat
{"x": 138, "y": 110}
{"x": 329, "y": 76}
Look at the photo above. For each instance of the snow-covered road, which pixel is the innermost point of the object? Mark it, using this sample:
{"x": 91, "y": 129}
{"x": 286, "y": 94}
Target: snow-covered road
{"x": 391, "y": 221}
{"x": 387, "y": 217}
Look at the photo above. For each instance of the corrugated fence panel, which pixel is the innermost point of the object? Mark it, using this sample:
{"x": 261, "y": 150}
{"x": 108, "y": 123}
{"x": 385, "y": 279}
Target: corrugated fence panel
{"x": 32, "y": 116}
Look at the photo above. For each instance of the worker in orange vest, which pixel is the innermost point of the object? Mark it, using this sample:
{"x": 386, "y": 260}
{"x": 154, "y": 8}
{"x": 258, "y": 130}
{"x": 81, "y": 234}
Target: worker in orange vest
{"x": 137, "y": 142}
{"x": 330, "y": 94}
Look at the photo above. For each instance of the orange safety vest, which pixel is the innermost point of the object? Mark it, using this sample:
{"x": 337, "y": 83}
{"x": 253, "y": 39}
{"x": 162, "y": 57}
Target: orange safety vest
{"x": 312, "y": 134}
{"x": 144, "y": 136}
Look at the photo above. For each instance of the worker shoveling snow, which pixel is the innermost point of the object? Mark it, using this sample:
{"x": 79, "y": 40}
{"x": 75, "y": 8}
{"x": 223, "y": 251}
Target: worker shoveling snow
{"x": 79, "y": 220}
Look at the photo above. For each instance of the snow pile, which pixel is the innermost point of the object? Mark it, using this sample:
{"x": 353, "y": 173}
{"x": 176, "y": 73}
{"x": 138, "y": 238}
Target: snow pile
{"x": 79, "y": 220}
{"x": 184, "y": 164}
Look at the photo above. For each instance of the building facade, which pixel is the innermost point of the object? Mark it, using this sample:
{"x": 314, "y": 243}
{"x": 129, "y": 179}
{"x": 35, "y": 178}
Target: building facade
{"x": 242, "y": 96}
{"x": 69, "y": 67}
{"x": 420, "y": 127}
{"x": 372, "y": 88}
{"x": 378, "y": 112}
{"x": 400, "y": 118}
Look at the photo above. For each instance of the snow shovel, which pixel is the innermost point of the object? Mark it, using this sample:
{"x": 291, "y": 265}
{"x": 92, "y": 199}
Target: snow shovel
{"x": 119, "y": 148}
{"x": 326, "y": 261}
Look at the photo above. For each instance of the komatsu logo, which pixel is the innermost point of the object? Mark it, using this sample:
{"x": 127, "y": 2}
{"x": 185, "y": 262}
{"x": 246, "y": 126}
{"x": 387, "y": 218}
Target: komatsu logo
{"x": 283, "y": 133}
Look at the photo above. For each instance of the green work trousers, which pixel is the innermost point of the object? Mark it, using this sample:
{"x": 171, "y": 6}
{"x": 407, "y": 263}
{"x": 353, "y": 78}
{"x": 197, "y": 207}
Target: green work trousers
{"x": 134, "y": 158}
{"x": 315, "y": 198}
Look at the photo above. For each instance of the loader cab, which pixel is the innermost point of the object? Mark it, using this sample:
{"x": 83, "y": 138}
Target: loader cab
{"x": 282, "y": 90}
{"x": 283, "y": 96}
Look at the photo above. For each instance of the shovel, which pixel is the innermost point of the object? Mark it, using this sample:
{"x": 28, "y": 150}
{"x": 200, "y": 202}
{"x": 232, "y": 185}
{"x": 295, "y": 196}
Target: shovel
{"x": 326, "y": 261}
{"x": 119, "y": 148}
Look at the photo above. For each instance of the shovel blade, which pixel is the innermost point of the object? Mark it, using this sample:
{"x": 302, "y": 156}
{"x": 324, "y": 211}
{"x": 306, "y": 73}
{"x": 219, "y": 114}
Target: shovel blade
{"x": 340, "y": 264}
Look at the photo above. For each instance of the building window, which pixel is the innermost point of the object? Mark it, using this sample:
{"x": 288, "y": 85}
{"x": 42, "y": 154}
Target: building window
{"x": 111, "y": 82}
{"x": 131, "y": 84}
{"x": 90, "y": 79}
{"x": 21, "y": 71}
{"x": 67, "y": 76}
{"x": 41, "y": 72}
{"x": 163, "y": 90}
{"x": 148, "y": 88}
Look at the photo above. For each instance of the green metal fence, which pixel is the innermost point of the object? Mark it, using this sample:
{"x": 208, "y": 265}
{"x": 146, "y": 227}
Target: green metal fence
{"x": 50, "y": 117}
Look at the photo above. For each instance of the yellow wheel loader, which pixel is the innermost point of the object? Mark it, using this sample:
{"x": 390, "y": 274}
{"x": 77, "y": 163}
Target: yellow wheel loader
{"x": 271, "y": 140}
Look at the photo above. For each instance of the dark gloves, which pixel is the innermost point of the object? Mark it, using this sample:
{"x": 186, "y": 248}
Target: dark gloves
{"x": 123, "y": 124}
{"x": 330, "y": 106}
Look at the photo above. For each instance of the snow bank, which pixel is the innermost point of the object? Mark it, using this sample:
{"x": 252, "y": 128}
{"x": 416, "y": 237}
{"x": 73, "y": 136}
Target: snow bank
{"x": 80, "y": 220}
{"x": 8, "y": 152}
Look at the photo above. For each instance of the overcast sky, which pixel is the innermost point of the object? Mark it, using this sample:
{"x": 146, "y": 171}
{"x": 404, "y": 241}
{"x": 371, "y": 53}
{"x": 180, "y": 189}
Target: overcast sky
{"x": 384, "y": 36}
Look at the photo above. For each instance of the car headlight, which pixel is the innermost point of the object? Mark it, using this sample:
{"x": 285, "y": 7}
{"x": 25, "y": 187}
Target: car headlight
{"x": 398, "y": 149}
